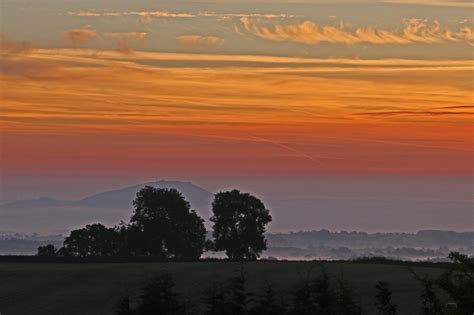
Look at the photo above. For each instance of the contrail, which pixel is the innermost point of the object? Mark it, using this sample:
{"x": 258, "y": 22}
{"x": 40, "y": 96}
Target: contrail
{"x": 288, "y": 148}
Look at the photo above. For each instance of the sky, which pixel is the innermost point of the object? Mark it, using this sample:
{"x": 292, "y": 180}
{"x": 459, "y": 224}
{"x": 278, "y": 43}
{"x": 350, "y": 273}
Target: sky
{"x": 256, "y": 94}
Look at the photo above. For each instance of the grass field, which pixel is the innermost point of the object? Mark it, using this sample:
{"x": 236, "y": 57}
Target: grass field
{"x": 36, "y": 288}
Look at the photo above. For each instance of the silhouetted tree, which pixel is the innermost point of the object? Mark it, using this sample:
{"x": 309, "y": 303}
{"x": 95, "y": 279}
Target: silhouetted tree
{"x": 123, "y": 306}
{"x": 237, "y": 303}
{"x": 239, "y": 224}
{"x": 315, "y": 296}
{"x": 93, "y": 240}
{"x": 159, "y": 297}
{"x": 303, "y": 300}
{"x": 164, "y": 225}
{"x": 230, "y": 298}
{"x": 383, "y": 300}
{"x": 132, "y": 241}
{"x": 214, "y": 299}
{"x": 458, "y": 282}
{"x": 47, "y": 251}
{"x": 63, "y": 252}
{"x": 346, "y": 299}
{"x": 431, "y": 303}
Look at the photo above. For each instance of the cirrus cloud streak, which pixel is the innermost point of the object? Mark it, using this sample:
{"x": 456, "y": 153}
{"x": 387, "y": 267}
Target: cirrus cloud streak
{"x": 84, "y": 108}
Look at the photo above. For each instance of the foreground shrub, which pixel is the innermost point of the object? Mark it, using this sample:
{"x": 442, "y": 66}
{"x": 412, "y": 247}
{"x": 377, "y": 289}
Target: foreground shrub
{"x": 319, "y": 296}
{"x": 230, "y": 298}
{"x": 47, "y": 251}
{"x": 267, "y": 304}
{"x": 431, "y": 304}
{"x": 158, "y": 297}
{"x": 383, "y": 300}
{"x": 123, "y": 306}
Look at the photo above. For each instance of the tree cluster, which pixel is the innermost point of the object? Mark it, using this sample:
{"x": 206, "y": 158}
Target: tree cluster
{"x": 163, "y": 225}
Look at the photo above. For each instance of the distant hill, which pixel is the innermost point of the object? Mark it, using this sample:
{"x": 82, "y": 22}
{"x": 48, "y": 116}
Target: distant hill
{"x": 197, "y": 196}
{"x": 119, "y": 198}
{"x": 47, "y": 215}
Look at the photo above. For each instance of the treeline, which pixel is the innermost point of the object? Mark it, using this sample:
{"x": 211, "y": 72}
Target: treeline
{"x": 163, "y": 225}
{"x": 317, "y": 294}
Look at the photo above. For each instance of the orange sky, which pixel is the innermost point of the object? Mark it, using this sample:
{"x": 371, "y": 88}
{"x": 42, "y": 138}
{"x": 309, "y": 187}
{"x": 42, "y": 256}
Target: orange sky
{"x": 82, "y": 111}
{"x": 339, "y": 114}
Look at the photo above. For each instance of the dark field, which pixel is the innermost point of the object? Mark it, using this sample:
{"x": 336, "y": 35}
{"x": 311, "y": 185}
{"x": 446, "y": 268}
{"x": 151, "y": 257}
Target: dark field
{"x": 36, "y": 288}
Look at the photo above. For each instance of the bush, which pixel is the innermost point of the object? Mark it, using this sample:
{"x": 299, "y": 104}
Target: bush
{"x": 158, "y": 297}
{"x": 47, "y": 251}
{"x": 123, "y": 306}
{"x": 230, "y": 298}
{"x": 383, "y": 300}
{"x": 317, "y": 296}
{"x": 267, "y": 304}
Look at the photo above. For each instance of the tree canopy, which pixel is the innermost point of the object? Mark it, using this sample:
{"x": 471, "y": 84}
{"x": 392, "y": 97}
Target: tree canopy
{"x": 93, "y": 240}
{"x": 166, "y": 225}
{"x": 47, "y": 251}
{"x": 239, "y": 224}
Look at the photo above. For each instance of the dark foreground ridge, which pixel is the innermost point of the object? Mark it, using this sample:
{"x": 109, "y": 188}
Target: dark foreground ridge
{"x": 250, "y": 287}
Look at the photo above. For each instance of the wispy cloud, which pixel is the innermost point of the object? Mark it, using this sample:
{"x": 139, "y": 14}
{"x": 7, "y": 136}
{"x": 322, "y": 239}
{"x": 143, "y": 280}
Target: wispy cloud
{"x": 441, "y": 3}
{"x": 149, "y": 15}
{"x": 123, "y": 40}
{"x": 8, "y": 46}
{"x": 418, "y": 113}
{"x": 154, "y": 13}
{"x": 249, "y": 15}
{"x": 86, "y": 13}
{"x": 198, "y": 41}
{"x": 14, "y": 59}
{"x": 297, "y": 65}
{"x": 127, "y": 35}
{"x": 308, "y": 32}
{"x": 79, "y": 36}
